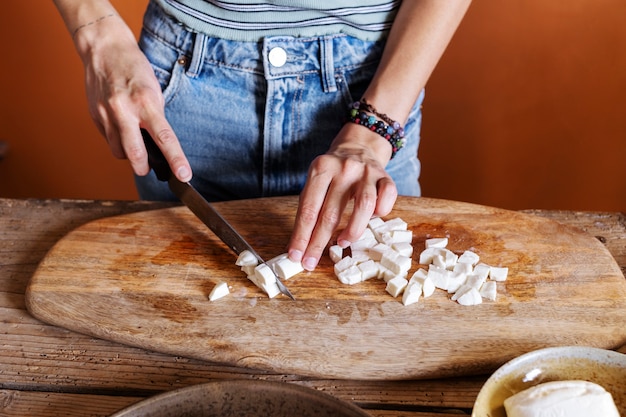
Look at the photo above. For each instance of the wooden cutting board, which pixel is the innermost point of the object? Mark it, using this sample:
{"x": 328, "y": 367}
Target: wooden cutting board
{"x": 143, "y": 279}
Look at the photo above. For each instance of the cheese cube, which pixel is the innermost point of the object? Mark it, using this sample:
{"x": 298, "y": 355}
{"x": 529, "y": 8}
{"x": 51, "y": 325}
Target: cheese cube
{"x": 286, "y": 268}
{"x": 375, "y": 222}
{"x": 481, "y": 270}
{"x": 376, "y": 252}
{"x": 363, "y": 244}
{"x": 427, "y": 255}
{"x": 439, "y": 261}
{"x": 469, "y": 257}
{"x": 350, "y": 276}
{"x": 396, "y": 285}
{"x": 421, "y": 276}
{"x": 470, "y": 298}
{"x": 475, "y": 281}
{"x": 397, "y": 236}
{"x": 436, "y": 242}
{"x": 369, "y": 269}
{"x": 451, "y": 258}
{"x": 336, "y": 253}
{"x": 395, "y": 262}
{"x": 343, "y": 264}
{"x": 462, "y": 268}
{"x": 246, "y": 258}
{"x": 498, "y": 273}
{"x": 455, "y": 280}
{"x": 248, "y": 269}
{"x": 263, "y": 275}
{"x": 359, "y": 256}
{"x": 412, "y": 293}
{"x": 271, "y": 289}
{"x": 403, "y": 248}
{"x": 462, "y": 290}
{"x": 219, "y": 291}
{"x": 396, "y": 224}
{"x": 488, "y": 290}
{"x": 438, "y": 276}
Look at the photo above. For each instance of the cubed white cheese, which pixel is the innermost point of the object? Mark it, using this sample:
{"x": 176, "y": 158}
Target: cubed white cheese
{"x": 397, "y": 236}
{"x": 498, "y": 273}
{"x": 248, "y": 269}
{"x": 427, "y": 255}
{"x": 263, "y": 275}
{"x": 395, "y": 262}
{"x": 359, "y": 256}
{"x": 246, "y": 258}
{"x": 475, "y": 281}
{"x": 455, "y": 280}
{"x": 436, "y": 242}
{"x": 403, "y": 248}
{"x": 439, "y": 261}
{"x": 219, "y": 291}
{"x": 470, "y": 298}
{"x": 489, "y": 290}
{"x": 363, "y": 244}
{"x": 463, "y": 268}
{"x": 286, "y": 268}
{"x": 376, "y": 252}
{"x": 439, "y": 276}
{"x": 343, "y": 264}
{"x": 469, "y": 257}
{"x": 451, "y": 258}
{"x": 412, "y": 293}
{"x": 396, "y": 224}
{"x": 420, "y": 274}
{"x": 462, "y": 290}
{"x": 369, "y": 269}
{"x": 350, "y": 276}
{"x": 396, "y": 285}
{"x": 271, "y": 289}
{"x": 481, "y": 270}
{"x": 336, "y": 253}
{"x": 375, "y": 222}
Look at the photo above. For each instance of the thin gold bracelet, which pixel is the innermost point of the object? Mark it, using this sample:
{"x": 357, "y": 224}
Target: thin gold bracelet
{"x": 93, "y": 22}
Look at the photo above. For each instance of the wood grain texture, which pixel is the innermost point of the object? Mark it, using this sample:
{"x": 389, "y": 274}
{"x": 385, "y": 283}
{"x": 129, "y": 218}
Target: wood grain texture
{"x": 142, "y": 279}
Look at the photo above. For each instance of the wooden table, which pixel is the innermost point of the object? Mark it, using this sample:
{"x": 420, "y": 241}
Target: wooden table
{"x": 49, "y": 371}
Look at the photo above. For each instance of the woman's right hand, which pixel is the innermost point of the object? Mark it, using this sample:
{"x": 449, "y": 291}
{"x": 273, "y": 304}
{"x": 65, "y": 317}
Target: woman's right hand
{"x": 122, "y": 91}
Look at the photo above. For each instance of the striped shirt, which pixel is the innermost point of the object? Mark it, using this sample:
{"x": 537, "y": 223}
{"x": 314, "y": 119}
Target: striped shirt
{"x": 252, "y": 20}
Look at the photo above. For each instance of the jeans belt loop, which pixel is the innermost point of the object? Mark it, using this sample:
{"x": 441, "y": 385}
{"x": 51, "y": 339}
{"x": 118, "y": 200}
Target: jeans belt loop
{"x": 197, "y": 58}
{"x": 328, "y": 66}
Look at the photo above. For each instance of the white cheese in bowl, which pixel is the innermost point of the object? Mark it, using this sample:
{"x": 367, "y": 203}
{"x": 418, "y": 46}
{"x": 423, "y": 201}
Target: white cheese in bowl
{"x": 562, "y": 398}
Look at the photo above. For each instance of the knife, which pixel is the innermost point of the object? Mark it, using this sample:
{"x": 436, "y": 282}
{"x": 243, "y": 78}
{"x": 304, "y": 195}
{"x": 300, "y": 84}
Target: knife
{"x": 199, "y": 206}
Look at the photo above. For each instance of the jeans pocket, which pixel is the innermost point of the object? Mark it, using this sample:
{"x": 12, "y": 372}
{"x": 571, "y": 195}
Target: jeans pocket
{"x": 355, "y": 83}
{"x": 166, "y": 62}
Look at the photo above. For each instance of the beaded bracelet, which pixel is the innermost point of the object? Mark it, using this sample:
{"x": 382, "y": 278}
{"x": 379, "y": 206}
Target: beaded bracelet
{"x": 392, "y": 132}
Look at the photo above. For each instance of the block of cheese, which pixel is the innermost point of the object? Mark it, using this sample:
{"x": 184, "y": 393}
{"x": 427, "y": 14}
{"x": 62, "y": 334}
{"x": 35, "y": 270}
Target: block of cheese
{"x": 562, "y": 398}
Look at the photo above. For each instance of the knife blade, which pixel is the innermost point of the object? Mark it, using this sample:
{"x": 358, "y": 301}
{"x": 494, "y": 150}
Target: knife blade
{"x": 199, "y": 206}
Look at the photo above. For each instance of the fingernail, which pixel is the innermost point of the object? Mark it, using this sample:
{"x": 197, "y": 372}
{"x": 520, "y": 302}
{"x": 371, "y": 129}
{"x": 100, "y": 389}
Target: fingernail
{"x": 343, "y": 243}
{"x": 184, "y": 174}
{"x": 295, "y": 255}
{"x": 309, "y": 263}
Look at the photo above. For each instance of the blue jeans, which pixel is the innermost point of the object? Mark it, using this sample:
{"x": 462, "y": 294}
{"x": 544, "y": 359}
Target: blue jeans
{"x": 251, "y": 127}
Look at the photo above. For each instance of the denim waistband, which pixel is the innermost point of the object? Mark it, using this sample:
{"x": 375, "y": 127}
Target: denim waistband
{"x": 324, "y": 54}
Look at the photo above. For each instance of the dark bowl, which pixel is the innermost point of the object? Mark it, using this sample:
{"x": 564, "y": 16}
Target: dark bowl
{"x": 242, "y": 398}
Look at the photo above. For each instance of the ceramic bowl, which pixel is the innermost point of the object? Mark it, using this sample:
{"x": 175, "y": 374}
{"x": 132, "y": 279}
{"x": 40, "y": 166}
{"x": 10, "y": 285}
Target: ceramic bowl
{"x": 242, "y": 398}
{"x": 604, "y": 367}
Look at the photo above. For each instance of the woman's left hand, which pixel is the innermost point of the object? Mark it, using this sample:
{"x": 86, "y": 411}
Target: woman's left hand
{"x": 352, "y": 169}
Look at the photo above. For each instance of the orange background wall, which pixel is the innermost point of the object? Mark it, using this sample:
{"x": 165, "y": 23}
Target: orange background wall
{"x": 527, "y": 108}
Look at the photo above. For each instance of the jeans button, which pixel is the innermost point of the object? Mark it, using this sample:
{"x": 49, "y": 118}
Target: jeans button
{"x": 277, "y": 57}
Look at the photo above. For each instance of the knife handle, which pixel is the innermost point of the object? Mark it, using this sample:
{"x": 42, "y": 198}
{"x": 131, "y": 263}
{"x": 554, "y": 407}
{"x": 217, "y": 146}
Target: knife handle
{"x": 156, "y": 159}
